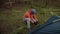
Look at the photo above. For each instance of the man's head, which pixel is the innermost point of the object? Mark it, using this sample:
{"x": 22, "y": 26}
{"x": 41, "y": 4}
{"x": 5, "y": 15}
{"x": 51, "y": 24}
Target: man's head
{"x": 33, "y": 11}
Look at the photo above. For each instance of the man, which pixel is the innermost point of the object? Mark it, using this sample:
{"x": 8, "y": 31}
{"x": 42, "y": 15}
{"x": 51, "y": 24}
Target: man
{"x": 30, "y": 17}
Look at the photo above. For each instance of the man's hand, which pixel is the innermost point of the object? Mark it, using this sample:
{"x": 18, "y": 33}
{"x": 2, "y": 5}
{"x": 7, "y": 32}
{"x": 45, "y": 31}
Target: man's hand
{"x": 36, "y": 22}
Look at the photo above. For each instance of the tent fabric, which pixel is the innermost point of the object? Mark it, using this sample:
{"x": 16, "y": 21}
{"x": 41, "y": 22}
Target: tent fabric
{"x": 50, "y": 27}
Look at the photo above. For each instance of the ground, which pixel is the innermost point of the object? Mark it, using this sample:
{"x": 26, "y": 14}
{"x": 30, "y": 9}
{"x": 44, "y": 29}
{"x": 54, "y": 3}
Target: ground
{"x": 12, "y": 22}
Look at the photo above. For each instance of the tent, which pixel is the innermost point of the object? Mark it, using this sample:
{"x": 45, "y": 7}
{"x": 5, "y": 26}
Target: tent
{"x": 51, "y": 26}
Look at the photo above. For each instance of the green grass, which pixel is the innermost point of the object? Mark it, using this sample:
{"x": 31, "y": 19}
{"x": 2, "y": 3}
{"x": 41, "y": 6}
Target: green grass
{"x": 13, "y": 22}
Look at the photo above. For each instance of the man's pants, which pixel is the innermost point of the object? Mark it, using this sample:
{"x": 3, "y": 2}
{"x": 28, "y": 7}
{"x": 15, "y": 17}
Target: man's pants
{"x": 27, "y": 21}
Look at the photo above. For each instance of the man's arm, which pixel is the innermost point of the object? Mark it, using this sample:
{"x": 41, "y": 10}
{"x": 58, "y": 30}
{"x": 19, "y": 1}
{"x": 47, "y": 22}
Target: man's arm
{"x": 35, "y": 17}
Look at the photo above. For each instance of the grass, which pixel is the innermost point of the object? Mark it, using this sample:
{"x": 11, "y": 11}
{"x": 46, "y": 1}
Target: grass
{"x": 12, "y": 21}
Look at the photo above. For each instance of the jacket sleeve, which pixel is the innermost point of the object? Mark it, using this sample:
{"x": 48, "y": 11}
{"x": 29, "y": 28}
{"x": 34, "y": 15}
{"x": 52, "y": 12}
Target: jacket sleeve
{"x": 35, "y": 17}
